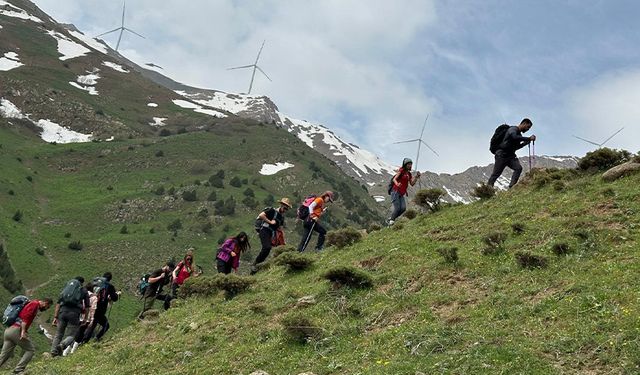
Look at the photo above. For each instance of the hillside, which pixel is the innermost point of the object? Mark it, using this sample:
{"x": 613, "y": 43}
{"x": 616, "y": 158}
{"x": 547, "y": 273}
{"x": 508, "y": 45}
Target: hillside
{"x": 484, "y": 314}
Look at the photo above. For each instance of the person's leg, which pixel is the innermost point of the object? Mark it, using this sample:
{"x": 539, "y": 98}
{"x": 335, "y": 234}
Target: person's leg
{"x": 104, "y": 326}
{"x": 395, "y": 206}
{"x": 498, "y": 168}
{"x": 166, "y": 300}
{"x": 57, "y": 339}
{"x": 402, "y": 205}
{"x": 88, "y": 332}
{"x": 73, "y": 324}
{"x": 9, "y": 344}
{"x": 174, "y": 290}
{"x": 265, "y": 240}
{"x": 306, "y": 234}
{"x": 28, "y": 351}
{"x": 517, "y": 170}
{"x": 321, "y": 233}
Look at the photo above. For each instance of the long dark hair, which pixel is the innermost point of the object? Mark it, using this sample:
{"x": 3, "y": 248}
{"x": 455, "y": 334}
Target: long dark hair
{"x": 242, "y": 246}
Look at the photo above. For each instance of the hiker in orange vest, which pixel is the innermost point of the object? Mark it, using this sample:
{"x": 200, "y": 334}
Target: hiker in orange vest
{"x": 312, "y": 221}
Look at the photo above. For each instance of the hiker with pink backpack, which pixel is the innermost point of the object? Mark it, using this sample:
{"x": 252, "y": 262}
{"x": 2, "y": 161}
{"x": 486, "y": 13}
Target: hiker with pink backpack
{"x": 310, "y": 212}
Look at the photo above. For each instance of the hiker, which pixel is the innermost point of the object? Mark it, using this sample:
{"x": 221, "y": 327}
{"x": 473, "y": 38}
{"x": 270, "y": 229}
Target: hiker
{"x": 270, "y": 222}
{"x": 228, "y": 256}
{"x": 17, "y": 332}
{"x": 399, "y": 186}
{"x": 73, "y": 302}
{"x": 505, "y": 155}
{"x": 83, "y": 335}
{"x": 157, "y": 280}
{"x": 312, "y": 221}
{"x": 184, "y": 270}
{"x": 106, "y": 294}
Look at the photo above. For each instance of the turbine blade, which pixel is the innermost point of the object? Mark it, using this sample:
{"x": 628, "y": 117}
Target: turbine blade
{"x": 434, "y": 151}
{"x": 109, "y": 32}
{"x": 412, "y": 140}
{"x": 424, "y": 126}
{"x": 265, "y": 74}
{"x": 586, "y": 140}
{"x": 253, "y": 75}
{"x": 124, "y": 5}
{"x": 241, "y": 67}
{"x": 614, "y": 134}
{"x": 119, "y": 39}
{"x": 131, "y": 31}
{"x": 259, "y": 52}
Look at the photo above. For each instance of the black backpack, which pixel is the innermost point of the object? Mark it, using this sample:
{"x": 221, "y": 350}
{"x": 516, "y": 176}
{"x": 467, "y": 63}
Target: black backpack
{"x": 12, "y": 311}
{"x": 259, "y": 222}
{"x": 71, "y": 294}
{"x": 498, "y": 138}
{"x": 101, "y": 288}
{"x": 303, "y": 210}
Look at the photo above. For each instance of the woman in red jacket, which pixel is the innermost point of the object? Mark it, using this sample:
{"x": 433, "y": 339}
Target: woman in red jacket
{"x": 401, "y": 182}
{"x": 184, "y": 270}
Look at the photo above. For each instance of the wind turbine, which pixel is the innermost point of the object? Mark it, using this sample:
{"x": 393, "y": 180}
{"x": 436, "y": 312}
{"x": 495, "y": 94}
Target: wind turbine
{"x": 420, "y": 143}
{"x": 254, "y": 66}
{"x": 600, "y": 144}
{"x": 122, "y": 28}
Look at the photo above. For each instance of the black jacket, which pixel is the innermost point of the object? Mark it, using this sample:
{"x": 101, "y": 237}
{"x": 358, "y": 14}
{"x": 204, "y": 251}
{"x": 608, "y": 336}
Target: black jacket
{"x": 513, "y": 141}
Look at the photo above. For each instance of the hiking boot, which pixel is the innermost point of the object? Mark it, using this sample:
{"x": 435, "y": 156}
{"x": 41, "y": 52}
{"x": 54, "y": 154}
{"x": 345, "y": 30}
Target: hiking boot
{"x": 254, "y": 269}
{"x": 390, "y": 222}
{"x": 57, "y": 351}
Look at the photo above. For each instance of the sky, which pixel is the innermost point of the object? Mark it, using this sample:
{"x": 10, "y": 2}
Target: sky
{"x": 372, "y": 70}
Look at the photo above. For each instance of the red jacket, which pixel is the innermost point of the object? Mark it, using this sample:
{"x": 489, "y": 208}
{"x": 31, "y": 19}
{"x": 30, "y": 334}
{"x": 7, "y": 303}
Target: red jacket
{"x": 28, "y": 313}
{"x": 403, "y": 179}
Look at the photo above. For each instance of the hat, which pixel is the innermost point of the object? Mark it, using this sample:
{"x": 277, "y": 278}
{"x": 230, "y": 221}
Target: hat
{"x": 329, "y": 194}
{"x": 285, "y": 201}
{"x": 406, "y": 161}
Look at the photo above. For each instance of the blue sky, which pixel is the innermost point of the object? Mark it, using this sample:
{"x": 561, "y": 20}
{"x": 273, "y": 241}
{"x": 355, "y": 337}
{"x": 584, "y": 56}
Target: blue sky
{"x": 372, "y": 70}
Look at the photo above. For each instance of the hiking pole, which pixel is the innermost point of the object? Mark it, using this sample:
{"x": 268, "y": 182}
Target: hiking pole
{"x": 529, "y": 145}
{"x": 533, "y": 151}
{"x": 306, "y": 242}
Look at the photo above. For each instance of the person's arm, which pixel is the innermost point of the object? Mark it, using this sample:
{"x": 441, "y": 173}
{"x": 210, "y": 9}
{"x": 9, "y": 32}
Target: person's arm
{"x": 56, "y": 311}
{"x": 396, "y": 177}
{"x": 87, "y": 306}
{"x": 153, "y": 280}
{"x": 113, "y": 294}
{"x": 415, "y": 178}
{"x": 27, "y": 315}
{"x": 174, "y": 274}
{"x": 312, "y": 207}
{"x": 92, "y": 309}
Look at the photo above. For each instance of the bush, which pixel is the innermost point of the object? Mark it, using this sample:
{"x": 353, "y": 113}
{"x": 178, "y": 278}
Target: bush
{"x": 40, "y": 251}
{"x": 349, "y": 276}
{"x": 429, "y": 198}
{"x": 269, "y": 200}
{"x": 495, "y": 243}
{"x": 75, "y": 245}
{"x": 449, "y": 254}
{"x": 226, "y": 207}
{"x": 124, "y": 230}
{"x": 603, "y": 159}
{"x": 299, "y": 328}
{"x": 559, "y": 185}
{"x": 17, "y": 216}
{"x": 249, "y": 193}
{"x": 207, "y": 286}
{"x": 483, "y": 191}
{"x": 207, "y": 227}
{"x": 250, "y": 202}
{"x": 232, "y": 284}
{"x": 518, "y": 228}
{"x": 171, "y": 191}
{"x": 67, "y": 235}
{"x": 29, "y": 178}
{"x": 410, "y": 214}
{"x": 174, "y": 225}
{"x": 561, "y": 248}
{"x": 294, "y": 261}
{"x": 164, "y": 133}
{"x": 220, "y": 173}
{"x": 343, "y": 237}
{"x": 11, "y": 192}
{"x": 159, "y": 153}
{"x": 216, "y": 182}
{"x": 528, "y": 260}
{"x": 212, "y": 196}
{"x": 374, "y": 227}
{"x": 159, "y": 190}
{"x": 608, "y": 192}
{"x": 189, "y": 195}
{"x": 283, "y": 249}
{"x": 235, "y": 182}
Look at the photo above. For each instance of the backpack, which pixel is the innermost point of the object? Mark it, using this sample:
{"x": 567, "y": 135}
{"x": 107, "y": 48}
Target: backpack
{"x": 71, "y": 295}
{"x": 498, "y": 138}
{"x": 259, "y": 222}
{"x": 101, "y": 288}
{"x": 144, "y": 283}
{"x": 12, "y": 311}
{"x": 303, "y": 210}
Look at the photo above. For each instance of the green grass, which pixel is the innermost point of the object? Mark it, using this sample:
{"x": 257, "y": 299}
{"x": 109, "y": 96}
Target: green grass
{"x": 483, "y": 315}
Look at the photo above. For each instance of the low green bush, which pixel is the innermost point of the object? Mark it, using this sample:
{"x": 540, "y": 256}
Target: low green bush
{"x": 495, "y": 243}
{"x": 410, "y": 214}
{"x": 349, "y": 276}
{"x": 561, "y": 248}
{"x": 295, "y": 261}
{"x": 374, "y": 227}
{"x": 449, "y": 254}
{"x": 75, "y": 245}
{"x": 206, "y": 286}
{"x": 530, "y": 261}
{"x": 483, "y": 191}
{"x": 343, "y": 237}
{"x": 300, "y": 328}
{"x": 277, "y": 251}
{"x": 603, "y": 159}
{"x": 518, "y": 228}
{"x": 429, "y": 199}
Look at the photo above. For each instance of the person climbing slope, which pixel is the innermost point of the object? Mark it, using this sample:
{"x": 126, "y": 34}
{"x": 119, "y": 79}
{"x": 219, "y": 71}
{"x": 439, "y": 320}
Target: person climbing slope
{"x": 228, "y": 257}
{"x": 399, "y": 189}
{"x": 312, "y": 221}
{"x": 271, "y": 220}
{"x": 505, "y": 150}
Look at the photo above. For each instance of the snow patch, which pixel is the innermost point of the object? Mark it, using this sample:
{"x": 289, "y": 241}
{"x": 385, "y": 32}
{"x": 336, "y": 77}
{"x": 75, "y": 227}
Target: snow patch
{"x": 10, "y": 61}
{"x": 91, "y": 42}
{"x": 115, "y": 67}
{"x": 52, "y": 132}
{"x": 110, "y": 139}
{"x": 271, "y": 169}
{"x": 379, "y": 198}
{"x": 228, "y": 102}
{"x": 68, "y": 48}
{"x": 456, "y": 197}
{"x": 9, "y": 110}
{"x": 158, "y": 121}
{"x": 17, "y": 13}
{"x": 198, "y": 108}
{"x": 89, "y": 79}
{"x": 90, "y": 89}
{"x": 561, "y": 158}
{"x": 154, "y": 105}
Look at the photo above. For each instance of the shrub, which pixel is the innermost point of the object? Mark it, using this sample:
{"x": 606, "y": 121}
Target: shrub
{"x": 29, "y": 178}
{"x": 559, "y": 185}
{"x": 159, "y": 153}
{"x": 40, "y": 251}
{"x": 226, "y": 207}
{"x": 528, "y": 260}
{"x": 561, "y": 248}
{"x": 283, "y": 249}
{"x": 250, "y": 202}
{"x": 348, "y": 276}
{"x": 608, "y": 192}
{"x": 410, "y": 214}
{"x": 152, "y": 230}
{"x": 182, "y": 131}
{"x": 449, "y": 254}
{"x": 518, "y": 228}
{"x": 216, "y": 181}
{"x": 269, "y": 200}
{"x": 235, "y": 182}
{"x": 220, "y": 173}
{"x": 495, "y": 243}
{"x": 483, "y": 191}
{"x": 299, "y": 328}
{"x": 232, "y": 284}
{"x": 17, "y": 216}
{"x": 124, "y": 230}
{"x": 212, "y": 196}
{"x": 197, "y": 182}
{"x": 374, "y": 227}
{"x": 429, "y": 198}
{"x": 398, "y": 225}
{"x": 109, "y": 187}
{"x": 159, "y": 190}
{"x": 67, "y": 235}
{"x": 249, "y": 193}
{"x": 207, "y": 227}
{"x": 174, "y": 225}
{"x": 164, "y": 133}
{"x": 206, "y": 286}
{"x": 171, "y": 191}
{"x": 294, "y": 261}
{"x": 11, "y": 192}
{"x": 602, "y": 159}
{"x": 75, "y": 245}
{"x": 343, "y": 237}
{"x": 189, "y": 195}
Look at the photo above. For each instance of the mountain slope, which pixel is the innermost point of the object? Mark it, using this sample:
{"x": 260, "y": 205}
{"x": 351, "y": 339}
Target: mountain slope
{"x": 481, "y": 315}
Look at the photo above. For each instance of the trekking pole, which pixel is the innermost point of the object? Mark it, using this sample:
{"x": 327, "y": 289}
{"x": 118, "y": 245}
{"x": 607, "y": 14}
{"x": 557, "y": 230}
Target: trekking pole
{"x": 533, "y": 151}
{"x": 306, "y": 242}
{"x": 529, "y": 145}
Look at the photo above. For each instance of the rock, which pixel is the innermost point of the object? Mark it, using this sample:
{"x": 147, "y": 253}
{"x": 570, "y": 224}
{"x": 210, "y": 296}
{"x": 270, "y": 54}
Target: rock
{"x": 193, "y": 326}
{"x": 621, "y": 170}
{"x": 150, "y": 314}
{"x": 306, "y": 373}
{"x": 259, "y": 372}
{"x": 306, "y": 301}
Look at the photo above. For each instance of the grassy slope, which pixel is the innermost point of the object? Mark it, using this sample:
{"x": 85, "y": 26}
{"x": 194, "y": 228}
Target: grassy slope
{"x": 579, "y": 315}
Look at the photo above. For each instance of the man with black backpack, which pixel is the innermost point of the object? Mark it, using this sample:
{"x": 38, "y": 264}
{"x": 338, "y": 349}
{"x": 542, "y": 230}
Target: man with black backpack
{"x": 18, "y": 318}
{"x": 268, "y": 223}
{"x": 73, "y": 301}
{"x": 505, "y": 142}
{"x": 106, "y": 294}
{"x": 156, "y": 281}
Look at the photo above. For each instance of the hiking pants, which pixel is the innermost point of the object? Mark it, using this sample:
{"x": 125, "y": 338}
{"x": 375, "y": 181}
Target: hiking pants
{"x": 11, "y": 340}
{"x": 223, "y": 267}
{"x": 149, "y": 300}
{"x": 501, "y": 163}
{"x": 266, "y": 235}
{"x": 399, "y": 205}
{"x": 104, "y": 327}
{"x": 68, "y": 325}
{"x": 306, "y": 235}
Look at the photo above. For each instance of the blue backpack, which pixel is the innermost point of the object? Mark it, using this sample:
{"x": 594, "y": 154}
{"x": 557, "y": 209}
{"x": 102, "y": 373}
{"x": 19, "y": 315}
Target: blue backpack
{"x": 10, "y": 316}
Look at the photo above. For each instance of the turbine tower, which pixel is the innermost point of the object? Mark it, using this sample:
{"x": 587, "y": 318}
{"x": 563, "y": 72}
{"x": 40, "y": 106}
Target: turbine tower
{"x": 255, "y": 67}
{"x": 122, "y": 28}
{"x": 600, "y": 144}
{"x": 420, "y": 143}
